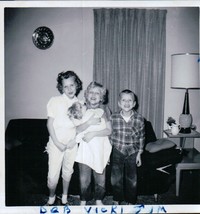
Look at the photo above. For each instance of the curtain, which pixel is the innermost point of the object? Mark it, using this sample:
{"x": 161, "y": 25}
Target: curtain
{"x": 129, "y": 53}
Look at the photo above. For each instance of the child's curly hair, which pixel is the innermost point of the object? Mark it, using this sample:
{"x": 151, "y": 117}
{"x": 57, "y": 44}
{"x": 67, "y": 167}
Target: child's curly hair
{"x": 96, "y": 85}
{"x": 65, "y": 75}
{"x": 74, "y": 110}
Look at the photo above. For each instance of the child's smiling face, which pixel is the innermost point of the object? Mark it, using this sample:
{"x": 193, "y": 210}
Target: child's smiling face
{"x": 126, "y": 102}
{"x": 94, "y": 97}
{"x": 69, "y": 87}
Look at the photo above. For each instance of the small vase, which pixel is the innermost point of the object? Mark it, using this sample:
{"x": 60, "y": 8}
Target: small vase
{"x": 185, "y": 120}
{"x": 175, "y": 129}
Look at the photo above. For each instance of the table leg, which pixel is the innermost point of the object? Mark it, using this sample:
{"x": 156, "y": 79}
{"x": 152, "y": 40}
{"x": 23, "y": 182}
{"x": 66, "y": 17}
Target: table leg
{"x": 178, "y": 175}
{"x": 182, "y": 142}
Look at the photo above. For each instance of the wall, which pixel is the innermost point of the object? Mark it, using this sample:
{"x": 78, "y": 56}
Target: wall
{"x": 30, "y": 73}
{"x": 182, "y": 37}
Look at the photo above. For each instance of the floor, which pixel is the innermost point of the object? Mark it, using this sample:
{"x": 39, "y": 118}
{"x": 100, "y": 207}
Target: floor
{"x": 189, "y": 194}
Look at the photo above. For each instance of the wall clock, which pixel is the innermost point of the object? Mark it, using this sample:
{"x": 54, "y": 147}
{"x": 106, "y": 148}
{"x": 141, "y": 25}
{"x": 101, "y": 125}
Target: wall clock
{"x": 43, "y": 37}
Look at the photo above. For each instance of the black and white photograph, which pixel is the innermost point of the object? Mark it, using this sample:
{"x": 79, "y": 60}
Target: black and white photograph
{"x": 101, "y": 107}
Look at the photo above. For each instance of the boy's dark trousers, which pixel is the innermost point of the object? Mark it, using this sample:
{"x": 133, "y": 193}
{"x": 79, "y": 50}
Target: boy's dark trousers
{"x": 124, "y": 177}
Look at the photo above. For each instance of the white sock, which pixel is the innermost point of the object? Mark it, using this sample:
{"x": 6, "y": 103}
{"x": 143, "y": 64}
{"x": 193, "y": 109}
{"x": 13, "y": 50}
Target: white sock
{"x": 83, "y": 203}
{"x": 64, "y": 199}
{"x": 51, "y": 200}
{"x": 115, "y": 202}
{"x": 99, "y": 202}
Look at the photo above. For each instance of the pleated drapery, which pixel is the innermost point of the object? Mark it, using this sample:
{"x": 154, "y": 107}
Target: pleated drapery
{"x": 129, "y": 53}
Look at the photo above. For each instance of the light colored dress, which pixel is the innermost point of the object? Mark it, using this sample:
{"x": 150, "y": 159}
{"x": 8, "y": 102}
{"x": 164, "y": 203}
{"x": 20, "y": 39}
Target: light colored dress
{"x": 95, "y": 153}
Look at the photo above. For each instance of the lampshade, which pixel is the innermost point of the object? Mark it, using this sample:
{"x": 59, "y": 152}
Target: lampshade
{"x": 185, "y": 74}
{"x": 185, "y": 70}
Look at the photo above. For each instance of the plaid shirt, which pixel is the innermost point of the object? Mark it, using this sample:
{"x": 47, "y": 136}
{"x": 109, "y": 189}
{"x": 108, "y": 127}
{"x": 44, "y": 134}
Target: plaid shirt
{"x": 127, "y": 137}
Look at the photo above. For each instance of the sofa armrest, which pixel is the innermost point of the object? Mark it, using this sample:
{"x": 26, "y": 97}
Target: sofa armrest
{"x": 159, "y": 145}
{"x": 161, "y": 158}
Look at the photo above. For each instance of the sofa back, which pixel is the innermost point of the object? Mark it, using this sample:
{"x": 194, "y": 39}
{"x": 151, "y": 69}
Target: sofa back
{"x": 150, "y": 135}
{"x": 20, "y": 131}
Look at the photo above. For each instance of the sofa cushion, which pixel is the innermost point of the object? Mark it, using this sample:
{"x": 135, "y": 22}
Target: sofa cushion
{"x": 159, "y": 145}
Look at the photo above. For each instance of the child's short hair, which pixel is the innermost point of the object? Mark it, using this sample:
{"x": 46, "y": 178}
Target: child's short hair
{"x": 74, "y": 110}
{"x": 96, "y": 85}
{"x": 65, "y": 75}
{"x": 127, "y": 91}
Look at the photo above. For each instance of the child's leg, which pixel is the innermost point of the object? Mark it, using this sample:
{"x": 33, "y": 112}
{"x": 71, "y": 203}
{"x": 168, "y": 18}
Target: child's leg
{"x": 65, "y": 187}
{"x": 117, "y": 175}
{"x": 67, "y": 170}
{"x": 131, "y": 179}
{"x": 54, "y": 162}
{"x": 65, "y": 191}
{"x": 85, "y": 180}
{"x": 100, "y": 183}
{"x": 52, "y": 192}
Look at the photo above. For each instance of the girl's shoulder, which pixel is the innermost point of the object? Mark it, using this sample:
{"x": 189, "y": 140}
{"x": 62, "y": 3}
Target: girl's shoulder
{"x": 99, "y": 112}
{"x": 106, "y": 110}
{"x": 55, "y": 99}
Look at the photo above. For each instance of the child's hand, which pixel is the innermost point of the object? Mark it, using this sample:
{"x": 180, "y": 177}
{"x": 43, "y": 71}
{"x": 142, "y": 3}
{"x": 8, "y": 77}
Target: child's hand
{"x": 94, "y": 120}
{"x": 88, "y": 137}
{"x": 71, "y": 144}
{"x": 61, "y": 147}
{"x": 138, "y": 160}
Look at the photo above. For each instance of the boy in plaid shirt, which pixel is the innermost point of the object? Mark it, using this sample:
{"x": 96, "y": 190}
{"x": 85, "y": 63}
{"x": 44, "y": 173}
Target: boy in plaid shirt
{"x": 127, "y": 139}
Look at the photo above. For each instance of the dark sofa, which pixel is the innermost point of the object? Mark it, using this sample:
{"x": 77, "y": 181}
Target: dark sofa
{"x": 26, "y": 163}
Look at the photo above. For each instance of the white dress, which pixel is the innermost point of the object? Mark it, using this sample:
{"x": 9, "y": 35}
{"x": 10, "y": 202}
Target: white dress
{"x": 95, "y": 153}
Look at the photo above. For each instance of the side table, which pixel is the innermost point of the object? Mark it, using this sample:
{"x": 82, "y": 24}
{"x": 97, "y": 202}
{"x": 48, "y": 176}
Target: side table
{"x": 191, "y": 160}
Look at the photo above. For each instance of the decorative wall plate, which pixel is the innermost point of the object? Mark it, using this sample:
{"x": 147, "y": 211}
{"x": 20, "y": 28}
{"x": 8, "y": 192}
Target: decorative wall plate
{"x": 43, "y": 37}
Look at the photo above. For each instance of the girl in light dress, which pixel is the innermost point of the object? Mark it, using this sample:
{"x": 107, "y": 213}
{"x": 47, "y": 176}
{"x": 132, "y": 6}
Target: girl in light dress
{"x": 94, "y": 145}
{"x": 62, "y": 132}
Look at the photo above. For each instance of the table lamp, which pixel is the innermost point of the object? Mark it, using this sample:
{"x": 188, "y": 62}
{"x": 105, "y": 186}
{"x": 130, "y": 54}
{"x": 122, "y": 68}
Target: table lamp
{"x": 185, "y": 75}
